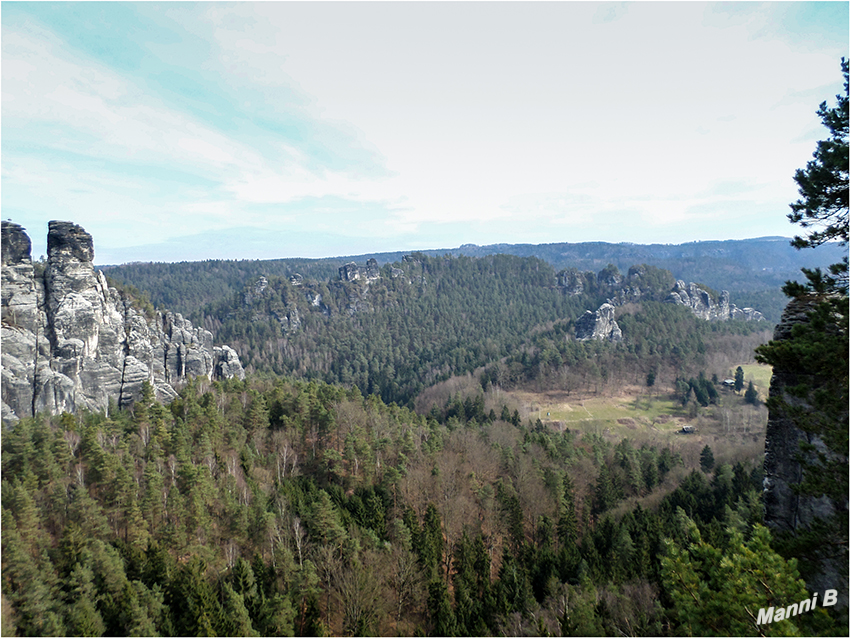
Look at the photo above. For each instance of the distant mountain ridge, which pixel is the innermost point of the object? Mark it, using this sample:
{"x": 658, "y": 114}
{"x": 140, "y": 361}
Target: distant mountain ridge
{"x": 752, "y": 270}
{"x": 772, "y": 256}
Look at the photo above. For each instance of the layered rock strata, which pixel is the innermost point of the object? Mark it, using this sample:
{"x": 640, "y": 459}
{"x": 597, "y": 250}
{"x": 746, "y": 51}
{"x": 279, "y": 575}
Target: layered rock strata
{"x": 71, "y": 342}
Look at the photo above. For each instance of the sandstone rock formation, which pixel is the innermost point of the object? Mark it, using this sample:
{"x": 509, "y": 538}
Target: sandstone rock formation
{"x": 785, "y": 509}
{"x": 647, "y": 283}
{"x": 599, "y": 325}
{"x": 71, "y": 342}
{"x": 574, "y": 282}
{"x": 352, "y": 272}
{"x": 703, "y": 306}
{"x": 358, "y": 296}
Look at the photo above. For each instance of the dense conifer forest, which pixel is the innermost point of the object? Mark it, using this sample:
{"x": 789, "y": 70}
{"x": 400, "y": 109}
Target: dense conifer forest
{"x": 423, "y": 320}
{"x": 752, "y": 270}
{"x": 276, "y": 506}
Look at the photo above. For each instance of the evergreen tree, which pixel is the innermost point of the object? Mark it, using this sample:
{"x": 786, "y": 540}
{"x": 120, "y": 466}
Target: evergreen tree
{"x": 235, "y": 619}
{"x": 739, "y": 379}
{"x": 513, "y": 589}
{"x": 31, "y": 590}
{"x": 815, "y": 353}
{"x": 430, "y": 545}
{"x": 83, "y": 617}
{"x": 751, "y": 396}
{"x": 606, "y": 494}
{"x": 195, "y": 606}
{"x": 719, "y": 590}
{"x": 567, "y": 521}
{"x": 440, "y": 610}
{"x": 823, "y": 185}
{"x": 706, "y": 459}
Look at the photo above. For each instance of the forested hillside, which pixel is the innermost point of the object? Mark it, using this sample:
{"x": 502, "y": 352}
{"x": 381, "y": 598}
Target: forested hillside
{"x": 280, "y": 507}
{"x": 752, "y": 270}
{"x": 397, "y": 330}
{"x": 661, "y": 340}
{"x": 423, "y": 322}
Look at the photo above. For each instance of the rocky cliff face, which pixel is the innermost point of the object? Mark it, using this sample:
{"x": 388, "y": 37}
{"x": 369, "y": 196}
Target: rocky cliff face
{"x": 265, "y": 303}
{"x": 785, "y": 510}
{"x": 704, "y": 307}
{"x": 71, "y": 342}
{"x": 644, "y": 283}
{"x": 352, "y": 272}
{"x": 599, "y": 325}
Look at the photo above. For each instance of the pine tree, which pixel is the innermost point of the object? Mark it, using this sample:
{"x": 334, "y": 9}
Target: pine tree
{"x": 83, "y": 617}
{"x": 32, "y": 591}
{"x": 751, "y": 396}
{"x": 719, "y": 590}
{"x": 813, "y": 355}
{"x": 739, "y": 379}
{"x": 706, "y": 459}
{"x": 823, "y": 185}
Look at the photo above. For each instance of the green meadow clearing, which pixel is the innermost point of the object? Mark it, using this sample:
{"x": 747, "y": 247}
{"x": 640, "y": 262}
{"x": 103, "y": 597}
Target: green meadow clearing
{"x": 636, "y": 409}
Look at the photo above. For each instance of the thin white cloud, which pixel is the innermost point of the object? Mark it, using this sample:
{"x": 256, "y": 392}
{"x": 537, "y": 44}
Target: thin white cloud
{"x": 509, "y": 118}
{"x": 92, "y": 111}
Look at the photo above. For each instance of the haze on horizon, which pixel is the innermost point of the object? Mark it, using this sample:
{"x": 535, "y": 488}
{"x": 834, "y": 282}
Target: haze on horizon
{"x": 175, "y": 131}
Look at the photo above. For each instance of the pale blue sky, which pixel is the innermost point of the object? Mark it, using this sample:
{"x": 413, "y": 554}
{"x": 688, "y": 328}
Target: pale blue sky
{"x": 175, "y": 131}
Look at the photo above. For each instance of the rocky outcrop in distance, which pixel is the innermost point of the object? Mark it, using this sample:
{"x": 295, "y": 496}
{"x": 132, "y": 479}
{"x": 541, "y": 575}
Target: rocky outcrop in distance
{"x": 649, "y": 283}
{"x": 352, "y": 272}
{"x": 599, "y": 325}
{"x": 71, "y": 342}
{"x": 705, "y": 307}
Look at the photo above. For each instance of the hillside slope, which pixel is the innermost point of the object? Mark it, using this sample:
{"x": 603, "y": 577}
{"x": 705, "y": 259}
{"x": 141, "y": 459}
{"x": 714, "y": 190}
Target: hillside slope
{"x": 752, "y": 270}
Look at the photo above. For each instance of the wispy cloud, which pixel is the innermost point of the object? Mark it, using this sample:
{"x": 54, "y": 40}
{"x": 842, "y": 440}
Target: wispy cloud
{"x": 459, "y": 122}
{"x": 92, "y": 140}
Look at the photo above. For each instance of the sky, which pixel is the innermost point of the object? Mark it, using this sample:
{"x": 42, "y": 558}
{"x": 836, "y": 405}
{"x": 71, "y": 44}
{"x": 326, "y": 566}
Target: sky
{"x": 187, "y": 131}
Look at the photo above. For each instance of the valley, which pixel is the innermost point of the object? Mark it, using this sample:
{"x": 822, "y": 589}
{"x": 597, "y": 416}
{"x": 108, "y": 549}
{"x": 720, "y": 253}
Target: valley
{"x": 331, "y": 319}
{"x": 442, "y": 445}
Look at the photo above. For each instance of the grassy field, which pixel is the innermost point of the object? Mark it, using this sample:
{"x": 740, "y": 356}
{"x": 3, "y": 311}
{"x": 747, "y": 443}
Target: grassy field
{"x": 760, "y": 376}
{"x": 634, "y": 410}
{"x": 622, "y": 414}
